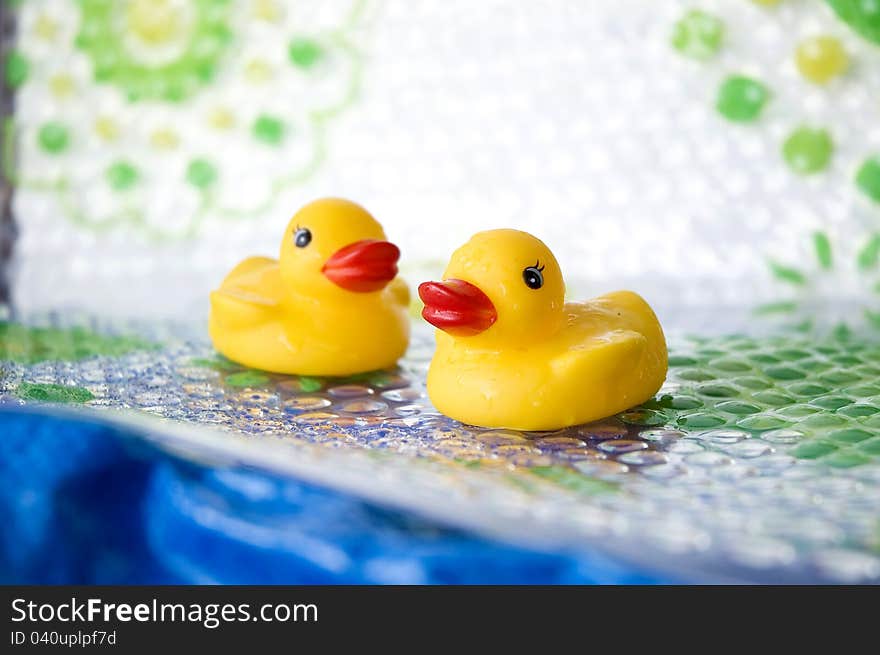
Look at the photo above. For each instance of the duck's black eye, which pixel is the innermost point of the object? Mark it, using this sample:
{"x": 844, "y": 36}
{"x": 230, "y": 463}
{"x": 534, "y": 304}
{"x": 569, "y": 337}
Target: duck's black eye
{"x": 533, "y": 277}
{"x": 302, "y": 237}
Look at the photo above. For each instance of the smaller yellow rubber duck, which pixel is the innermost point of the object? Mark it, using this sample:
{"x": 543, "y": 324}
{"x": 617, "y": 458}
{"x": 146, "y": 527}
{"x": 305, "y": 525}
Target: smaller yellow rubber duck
{"x": 331, "y": 305}
{"x": 512, "y": 354}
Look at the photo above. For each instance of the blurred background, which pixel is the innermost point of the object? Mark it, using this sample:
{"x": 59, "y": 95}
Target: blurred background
{"x": 159, "y": 141}
{"x": 720, "y": 157}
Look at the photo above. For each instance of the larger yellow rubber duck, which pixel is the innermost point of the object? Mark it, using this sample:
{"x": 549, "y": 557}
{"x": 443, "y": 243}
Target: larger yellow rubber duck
{"x": 511, "y": 353}
{"x": 331, "y": 305}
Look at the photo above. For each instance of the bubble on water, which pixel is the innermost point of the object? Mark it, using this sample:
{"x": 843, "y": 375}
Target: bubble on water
{"x": 306, "y": 403}
{"x": 601, "y": 432}
{"x": 708, "y": 458}
{"x": 749, "y": 449}
{"x": 363, "y": 407}
{"x": 601, "y": 468}
{"x": 723, "y": 436}
{"x": 642, "y": 458}
{"x": 685, "y": 447}
{"x": 500, "y": 437}
{"x": 618, "y": 446}
{"x": 784, "y": 436}
{"x": 403, "y": 395}
{"x": 350, "y": 391}
{"x": 663, "y": 471}
{"x": 560, "y": 443}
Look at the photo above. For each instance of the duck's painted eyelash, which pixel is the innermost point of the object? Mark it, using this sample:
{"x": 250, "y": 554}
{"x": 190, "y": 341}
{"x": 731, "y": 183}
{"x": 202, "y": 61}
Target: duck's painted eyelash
{"x": 538, "y": 265}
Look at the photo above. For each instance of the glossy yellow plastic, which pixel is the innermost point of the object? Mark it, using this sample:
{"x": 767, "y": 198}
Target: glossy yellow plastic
{"x": 539, "y": 363}
{"x": 331, "y": 305}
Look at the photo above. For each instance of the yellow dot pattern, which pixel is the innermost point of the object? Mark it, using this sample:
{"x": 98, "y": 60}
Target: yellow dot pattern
{"x": 821, "y": 58}
{"x": 258, "y": 71}
{"x": 61, "y": 86}
{"x": 164, "y": 139}
{"x": 106, "y": 128}
{"x": 221, "y": 119}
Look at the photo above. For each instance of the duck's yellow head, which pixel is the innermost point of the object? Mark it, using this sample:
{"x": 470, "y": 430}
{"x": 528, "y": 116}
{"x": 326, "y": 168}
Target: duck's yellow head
{"x": 503, "y": 287}
{"x": 334, "y": 245}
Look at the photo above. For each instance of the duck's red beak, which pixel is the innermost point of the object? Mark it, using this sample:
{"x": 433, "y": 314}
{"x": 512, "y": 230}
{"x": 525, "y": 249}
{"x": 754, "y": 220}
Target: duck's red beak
{"x": 457, "y": 307}
{"x": 363, "y": 266}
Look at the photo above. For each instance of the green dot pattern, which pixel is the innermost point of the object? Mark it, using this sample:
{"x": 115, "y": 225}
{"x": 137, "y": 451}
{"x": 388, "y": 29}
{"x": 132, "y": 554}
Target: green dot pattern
{"x": 868, "y": 178}
{"x": 698, "y": 35}
{"x": 53, "y": 138}
{"x": 305, "y": 53}
{"x": 269, "y": 130}
{"x": 741, "y": 99}
{"x": 53, "y": 393}
{"x": 863, "y": 16}
{"x": 247, "y": 379}
{"x": 208, "y": 36}
{"x": 122, "y": 176}
{"x": 826, "y": 391}
{"x": 807, "y": 150}
{"x": 17, "y": 69}
{"x": 31, "y": 345}
{"x": 201, "y": 173}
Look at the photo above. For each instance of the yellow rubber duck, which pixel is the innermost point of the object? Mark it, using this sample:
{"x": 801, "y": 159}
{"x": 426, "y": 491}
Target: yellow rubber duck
{"x": 512, "y": 354}
{"x": 331, "y": 305}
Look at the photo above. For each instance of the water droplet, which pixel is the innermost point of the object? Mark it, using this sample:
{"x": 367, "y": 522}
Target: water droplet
{"x": 775, "y": 462}
{"x": 642, "y": 458}
{"x": 580, "y": 453}
{"x": 749, "y": 449}
{"x": 349, "y": 391}
{"x": 600, "y": 468}
{"x": 306, "y": 403}
{"x": 516, "y": 449}
{"x": 193, "y": 373}
{"x": 685, "y": 447}
{"x": 363, "y": 406}
{"x": 737, "y": 407}
{"x": 559, "y": 443}
{"x": 409, "y": 410}
{"x": 662, "y": 436}
{"x": 663, "y": 471}
{"x": 718, "y": 390}
{"x": 708, "y": 458}
{"x": 253, "y": 397}
{"x": 301, "y": 385}
{"x": 501, "y": 437}
{"x": 701, "y": 420}
{"x": 601, "y": 432}
{"x": 383, "y": 380}
{"x": 761, "y": 422}
{"x": 316, "y": 417}
{"x": 403, "y": 395}
{"x": 528, "y": 460}
{"x": 619, "y": 446}
{"x": 813, "y": 449}
{"x": 723, "y": 436}
{"x": 831, "y": 402}
{"x": 644, "y": 417}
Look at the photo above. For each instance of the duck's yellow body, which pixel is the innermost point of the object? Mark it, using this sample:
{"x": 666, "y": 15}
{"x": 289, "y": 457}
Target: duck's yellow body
{"x": 538, "y": 363}
{"x": 329, "y": 306}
